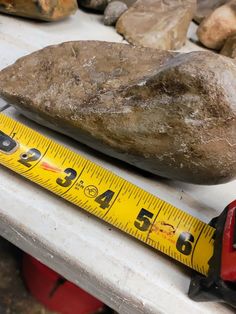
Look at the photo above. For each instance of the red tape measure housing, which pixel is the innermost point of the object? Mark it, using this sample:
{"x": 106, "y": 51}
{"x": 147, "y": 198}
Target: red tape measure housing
{"x": 228, "y": 257}
{"x": 54, "y": 292}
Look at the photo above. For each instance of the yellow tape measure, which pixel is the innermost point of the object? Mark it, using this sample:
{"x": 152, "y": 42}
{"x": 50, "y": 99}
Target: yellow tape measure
{"x": 105, "y": 195}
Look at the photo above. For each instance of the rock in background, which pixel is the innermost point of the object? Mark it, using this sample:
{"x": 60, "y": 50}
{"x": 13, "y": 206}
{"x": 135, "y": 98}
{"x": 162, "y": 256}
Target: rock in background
{"x": 205, "y": 7}
{"x": 218, "y": 26}
{"x": 40, "y": 9}
{"x": 229, "y": 48}
{"x": 127, "y": 2}
{"x": 157, "y": 23}
{"x": 113, "y": 11}
{"x": 98, "y": 5}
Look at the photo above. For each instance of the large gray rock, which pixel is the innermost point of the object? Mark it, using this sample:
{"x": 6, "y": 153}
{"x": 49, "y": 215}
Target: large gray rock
{"x": 218, "y": 26}
{"x": 170, "y": 114}
{"x": 205, "y": 7}
{"x": 159, "y": 24}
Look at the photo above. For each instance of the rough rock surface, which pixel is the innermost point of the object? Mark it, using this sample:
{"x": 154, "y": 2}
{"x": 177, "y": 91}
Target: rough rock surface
{"x": 159, "y": 24}
{"x": 205, "y": 7}
{"x": 39, "y": 9}
{"x": 218, "y": 26}
{"x": 229, "y": 48}
{"x": 168, "y": 113}
{"x": 98, "y": 5}
{"x": 113, "y": 11}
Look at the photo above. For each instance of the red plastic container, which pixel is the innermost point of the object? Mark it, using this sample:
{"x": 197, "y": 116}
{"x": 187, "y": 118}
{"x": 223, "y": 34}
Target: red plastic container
{"x": 54, "y": 292}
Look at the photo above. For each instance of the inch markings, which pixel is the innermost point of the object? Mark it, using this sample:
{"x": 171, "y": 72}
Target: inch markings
{"x": 107, "y": 196}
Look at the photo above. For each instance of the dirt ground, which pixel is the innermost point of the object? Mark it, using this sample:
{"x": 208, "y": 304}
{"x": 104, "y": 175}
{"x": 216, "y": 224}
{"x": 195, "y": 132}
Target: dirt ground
{"x": 14, "y": 297}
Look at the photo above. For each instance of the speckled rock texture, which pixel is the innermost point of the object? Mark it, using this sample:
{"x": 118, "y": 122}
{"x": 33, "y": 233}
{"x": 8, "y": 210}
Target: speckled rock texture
{"x": 161, "y": 24}
{"x": 171, "y": 114}
{"x": 206, "y": 7}
{"x": 113, "y": 11}
{"x": 229, "y": 48}
{"x": 218, "y": 26}
{"x": 98, "y": 5}
{"x": 39, "y": 9}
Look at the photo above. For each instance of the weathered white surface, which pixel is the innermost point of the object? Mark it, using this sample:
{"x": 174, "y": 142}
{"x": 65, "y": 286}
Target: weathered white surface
{"x": 124, "y": 273}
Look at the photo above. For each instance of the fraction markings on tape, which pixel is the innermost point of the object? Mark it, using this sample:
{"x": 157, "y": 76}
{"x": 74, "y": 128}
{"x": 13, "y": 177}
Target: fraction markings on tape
{"x": 107, "y": 196}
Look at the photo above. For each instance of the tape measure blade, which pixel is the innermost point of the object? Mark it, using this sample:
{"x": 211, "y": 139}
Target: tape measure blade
{"x": 108, "y": 196}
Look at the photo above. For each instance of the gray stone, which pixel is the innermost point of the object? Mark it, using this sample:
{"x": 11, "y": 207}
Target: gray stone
{"x": 218, "y": 26}
{"x": 98, "y": 5}
{"x": 168, "y": 113}
{"x": 205, "y": 7}
{"x": 113, "y": 11}
{"x": 229, "y": 48}
{"x": 159, "y": 24}
{"x": 127, "y": 2}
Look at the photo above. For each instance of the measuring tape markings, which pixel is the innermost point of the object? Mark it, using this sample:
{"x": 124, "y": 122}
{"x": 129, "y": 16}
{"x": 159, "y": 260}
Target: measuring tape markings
{"x": 108, "y": 196}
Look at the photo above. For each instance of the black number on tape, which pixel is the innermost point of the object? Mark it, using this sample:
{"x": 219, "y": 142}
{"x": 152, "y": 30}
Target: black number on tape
{"x": 30, "y": 156}
{"x": 67, "y": 181}
{"x": 105, "y": 199}
{"x": 143, "y": 221}
{"x": 184, "y": 243}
